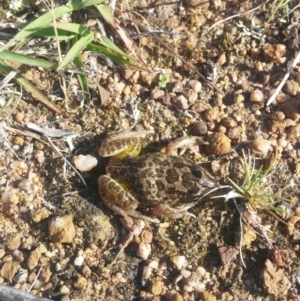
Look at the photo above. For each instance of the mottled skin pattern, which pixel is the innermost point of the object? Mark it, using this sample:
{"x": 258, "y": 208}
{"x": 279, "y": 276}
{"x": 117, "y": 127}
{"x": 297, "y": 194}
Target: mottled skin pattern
{"x": 168, "y": 184}
{"x": 160, "y": 177}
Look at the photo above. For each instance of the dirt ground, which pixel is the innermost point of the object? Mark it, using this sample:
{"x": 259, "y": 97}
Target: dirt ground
{"x": 59, "y": 241}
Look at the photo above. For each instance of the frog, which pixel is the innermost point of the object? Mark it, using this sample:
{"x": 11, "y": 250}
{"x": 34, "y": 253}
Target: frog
{"x": 166, "y": 183}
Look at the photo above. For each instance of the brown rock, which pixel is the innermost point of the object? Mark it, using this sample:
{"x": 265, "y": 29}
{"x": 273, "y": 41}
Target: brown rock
{"x": 81, "y": 283}
{"x": 9, "y": 269}
{"x": 291, "y": 109}
{"x": 199, "y": 128}
{"x": 219, "y": 144}
{"x": 45, "y": 274}
{"x": 291, "y": 87}
{"x": 40, "y": 214}
{"x": 62, "y": 229}
{"x": 33, "y": 259}
{"x": 212, "y": 114}
{"x": 228, "y": 122}
{"x": 14, "y": 240}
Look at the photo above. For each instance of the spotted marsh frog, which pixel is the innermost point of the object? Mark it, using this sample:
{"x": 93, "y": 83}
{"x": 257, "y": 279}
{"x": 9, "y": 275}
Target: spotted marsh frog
{"x": 158, "y": 180}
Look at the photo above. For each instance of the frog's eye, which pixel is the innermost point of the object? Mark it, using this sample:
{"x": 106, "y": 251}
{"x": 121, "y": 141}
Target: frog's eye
{"x": 196, "y": 171}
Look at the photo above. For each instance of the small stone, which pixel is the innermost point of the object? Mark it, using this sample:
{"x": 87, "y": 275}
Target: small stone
{"x": 148, "y": 78}
{"x": 195, "y": 85}
{"x": 126, "y": 90}
{"x": 228, "y": 122}
{"x": 40, "y": 214}
{"x": 24, "y": 184}
{"x": 181, "y": 103}
{"x": 146, "y": 236}
{"x": 199, "y": 128}
{"x": 19, "y": 140}
{"x": 64, "y": 289}
{"x": 9, "y": 269}
{"x": 21, "y": 276}
{"x": 119, "y": 87}
{"x": 45, "y": 274}
{"x": 257, "y": 96}
{"x": 291, "y": 87}
{"x": 79, "y": 261}
{"x": 212, "y": 114}
{"x": 62, "y": 229}
{"x": 200, "y": 271}
{"x": 261, "y": 145}
{"x": 291, "y": 109}
{"x": 80, "y": 283}
{"x": 20, "y": 116}
{"x": 275, "y": 53}
{"x": 185, "y": 273}
{"x": 14, "y": 241}
{"x": 144, "y": 250}
{"x": 85, "y": 162}
{"x": 33, "y": 259}
{"x": 156, "y": 286}
{"x": 157, "y": 93}
{"x": 178, "y": 261}
{"x": 219, "y": 144}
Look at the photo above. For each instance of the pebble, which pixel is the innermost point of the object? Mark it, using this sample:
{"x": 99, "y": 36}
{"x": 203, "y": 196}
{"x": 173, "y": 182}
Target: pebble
{"x": 212, "y": 114}
{"x": 20, "y": 116}
{"x": 181, "y": 103}
{"x": 85, "y": 162}
{"x": 80, "y": 283}
{"x": 19, "y": 140}
{"x": 24, "y": 184}
{"x": 261, "y": 145}
{"x": 157, "y": 93}
{"x": 144, "y": 250}
{"x": 219, "y": 144}
{"x": 199, "y": 128}
{"x": 291, "y": 87}
{"x": 195, "y": 85}
{"x": 178, "y": 261}
{"x": 21, "y": 276}
{"x": 40, "y": 214}
{"x": 79, "y": 261}
{"x": 8, "y": 270}
{"x": 62, "y": 229}
{"x": 14, "y": 241}
{"x": 257, "y": 96}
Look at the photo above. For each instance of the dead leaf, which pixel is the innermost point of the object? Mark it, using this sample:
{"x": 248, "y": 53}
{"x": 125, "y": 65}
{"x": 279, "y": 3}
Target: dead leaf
{"x": 227, "y": 254}
{"x": 104, "y": 95}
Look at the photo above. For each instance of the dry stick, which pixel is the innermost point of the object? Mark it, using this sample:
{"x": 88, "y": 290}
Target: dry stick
{"x": 278, "y": 89}
{"x": 237, "y": 15}
{"x": 210, "y": 84}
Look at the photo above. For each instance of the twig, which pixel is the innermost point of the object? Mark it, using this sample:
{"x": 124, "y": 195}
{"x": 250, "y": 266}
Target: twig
{"x": 66, "y": 161}
{"x": 36, "y": 277}
{"x": 278, "y": 89}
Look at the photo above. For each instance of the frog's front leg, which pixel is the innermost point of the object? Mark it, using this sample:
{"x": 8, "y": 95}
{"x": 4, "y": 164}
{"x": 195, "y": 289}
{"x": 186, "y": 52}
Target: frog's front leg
{"x": 119, "y": 199}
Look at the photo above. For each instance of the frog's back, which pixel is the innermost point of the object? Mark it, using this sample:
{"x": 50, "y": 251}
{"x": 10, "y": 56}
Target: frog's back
{"x": 159, "y": 177}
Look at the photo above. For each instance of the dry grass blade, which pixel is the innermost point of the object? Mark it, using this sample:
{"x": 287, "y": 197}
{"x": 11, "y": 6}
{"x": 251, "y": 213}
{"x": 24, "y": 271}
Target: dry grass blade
{"x": 4, "y": 68}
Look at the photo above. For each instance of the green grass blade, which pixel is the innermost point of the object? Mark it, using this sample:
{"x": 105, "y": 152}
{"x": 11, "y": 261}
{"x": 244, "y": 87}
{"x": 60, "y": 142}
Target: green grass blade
{"x": 23, "y": 59}
{"x": 82, "y": 79}
{"x": 236, "y": 187}
{"x": 46, "y": 18}
{"x": 75, "y": 50}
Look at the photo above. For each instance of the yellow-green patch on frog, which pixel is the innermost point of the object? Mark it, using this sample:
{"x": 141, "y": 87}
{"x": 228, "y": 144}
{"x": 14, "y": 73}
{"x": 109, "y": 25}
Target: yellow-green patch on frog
{"x": 168, "y": 184}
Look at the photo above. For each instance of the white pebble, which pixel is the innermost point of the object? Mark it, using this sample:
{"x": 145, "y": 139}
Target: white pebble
{"x": 195, "y": 85}
{"x": 178, "y": 261}
{"x": 257, "y": 96}
{"x": 85, "y": 163}
{"x": 200, "y": 271}
{"x": 185, "y": 273}
{"x": 144, "y": 250}
{"x": 79, "y": 261}
{"x": 147, "y": 271}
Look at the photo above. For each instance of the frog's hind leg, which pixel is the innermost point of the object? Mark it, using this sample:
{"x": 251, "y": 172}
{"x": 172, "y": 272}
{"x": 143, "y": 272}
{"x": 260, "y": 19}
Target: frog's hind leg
{"x": 119, "y": 199}
{"x": 172, "y": 212}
